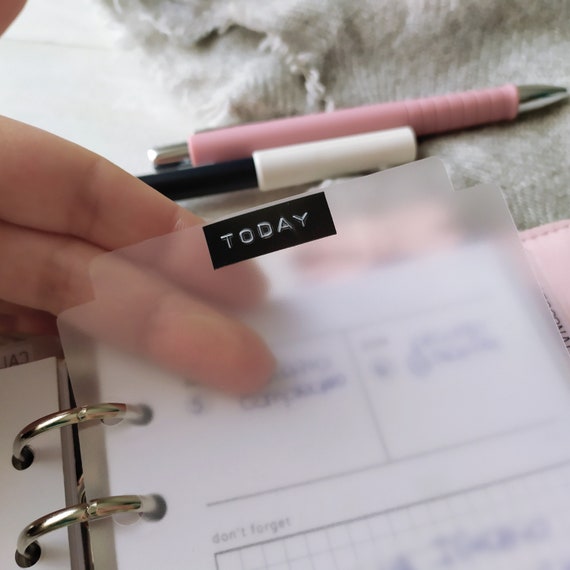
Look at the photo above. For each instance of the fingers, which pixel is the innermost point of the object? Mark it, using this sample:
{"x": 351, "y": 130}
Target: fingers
{"x": 63, "y": 207}
{"x": 142, "y": 313}
{"x": 129, "y": 306}
{"x": 51, "y": 272}
{"x": 56, "y": 186}
{"x": 204, "y": 345}
{"x": 18, "y": 320}
{"x": 51, "y": 185}
{"x": 183, "y": 258}
{"x": 43, "y": 271}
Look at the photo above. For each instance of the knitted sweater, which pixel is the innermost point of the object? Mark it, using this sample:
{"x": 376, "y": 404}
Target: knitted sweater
{"x": 233, "y": 61}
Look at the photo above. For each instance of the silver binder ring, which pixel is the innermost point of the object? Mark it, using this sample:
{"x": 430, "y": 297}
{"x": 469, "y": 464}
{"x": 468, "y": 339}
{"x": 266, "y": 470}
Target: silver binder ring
{"x": 28, "y": 550}
{"x": 22, "y": 454}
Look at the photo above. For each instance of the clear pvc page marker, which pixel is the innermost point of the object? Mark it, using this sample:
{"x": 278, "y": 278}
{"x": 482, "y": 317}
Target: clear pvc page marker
{"x": 416, "y": 410}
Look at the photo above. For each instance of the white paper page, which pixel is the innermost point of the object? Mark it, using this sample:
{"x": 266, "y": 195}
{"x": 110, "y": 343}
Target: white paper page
{"x": 28, "y": 392}
{"x": 418, "y": 374}
{"x": 361, "y": 428}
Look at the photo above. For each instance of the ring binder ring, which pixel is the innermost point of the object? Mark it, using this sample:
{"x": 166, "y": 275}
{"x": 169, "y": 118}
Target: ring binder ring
{"x": 28, "y": 550}
{"x": 22, "y": 454}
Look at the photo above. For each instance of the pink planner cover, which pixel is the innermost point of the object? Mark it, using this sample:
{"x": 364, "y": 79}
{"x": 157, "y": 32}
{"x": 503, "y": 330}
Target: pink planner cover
{"x": 548, "y": 249}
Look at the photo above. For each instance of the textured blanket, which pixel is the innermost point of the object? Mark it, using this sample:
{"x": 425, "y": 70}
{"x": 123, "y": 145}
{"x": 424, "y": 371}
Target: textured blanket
{"x": 232, "y": 61}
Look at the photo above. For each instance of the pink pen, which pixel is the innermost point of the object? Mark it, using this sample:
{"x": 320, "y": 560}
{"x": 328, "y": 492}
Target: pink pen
{"x": 426, "y": 116}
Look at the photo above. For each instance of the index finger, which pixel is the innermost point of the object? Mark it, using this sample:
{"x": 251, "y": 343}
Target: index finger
{"x": 137, "y": 308}
{"x": 54, "y": 185}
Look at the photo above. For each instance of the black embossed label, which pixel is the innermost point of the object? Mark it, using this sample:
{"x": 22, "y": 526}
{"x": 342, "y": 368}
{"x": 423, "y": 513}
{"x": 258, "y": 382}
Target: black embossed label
{"x": 269, "y": 229}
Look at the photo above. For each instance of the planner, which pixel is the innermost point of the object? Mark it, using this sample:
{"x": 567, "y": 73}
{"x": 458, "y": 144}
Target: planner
{"x": 417, "y": 414}
{"x": 28, "y": 391}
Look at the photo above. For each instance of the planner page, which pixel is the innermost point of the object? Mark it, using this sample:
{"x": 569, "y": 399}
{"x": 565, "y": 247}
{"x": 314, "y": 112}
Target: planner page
{"x": 29, "y": 391}
{"x": 418, "y": 416}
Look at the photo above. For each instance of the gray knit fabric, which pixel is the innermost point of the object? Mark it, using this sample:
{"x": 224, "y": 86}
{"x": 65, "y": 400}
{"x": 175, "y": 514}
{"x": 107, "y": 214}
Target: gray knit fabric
{"x": 232, "y": 61}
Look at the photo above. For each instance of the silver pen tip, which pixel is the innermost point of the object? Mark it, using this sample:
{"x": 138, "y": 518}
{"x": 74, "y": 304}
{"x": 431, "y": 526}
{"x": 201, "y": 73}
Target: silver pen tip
{"x": 169, "y": 154}
{"x": 533, "y": 97}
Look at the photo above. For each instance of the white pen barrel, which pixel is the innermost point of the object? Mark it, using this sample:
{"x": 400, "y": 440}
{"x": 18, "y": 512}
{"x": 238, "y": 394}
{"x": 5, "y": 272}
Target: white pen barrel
{"x": 307, "y": 162}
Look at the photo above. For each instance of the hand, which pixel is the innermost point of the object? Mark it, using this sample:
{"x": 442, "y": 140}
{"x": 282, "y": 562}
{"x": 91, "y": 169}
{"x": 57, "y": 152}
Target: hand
{"x": 61, "y": 207}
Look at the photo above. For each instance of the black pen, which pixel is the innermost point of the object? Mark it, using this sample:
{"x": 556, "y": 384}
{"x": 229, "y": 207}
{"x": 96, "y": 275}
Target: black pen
{"x": 291, "y": 165}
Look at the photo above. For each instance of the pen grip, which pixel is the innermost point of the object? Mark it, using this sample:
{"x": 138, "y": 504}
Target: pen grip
{"x": 426, "y": 116}
{"x": 462, "y": 110}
